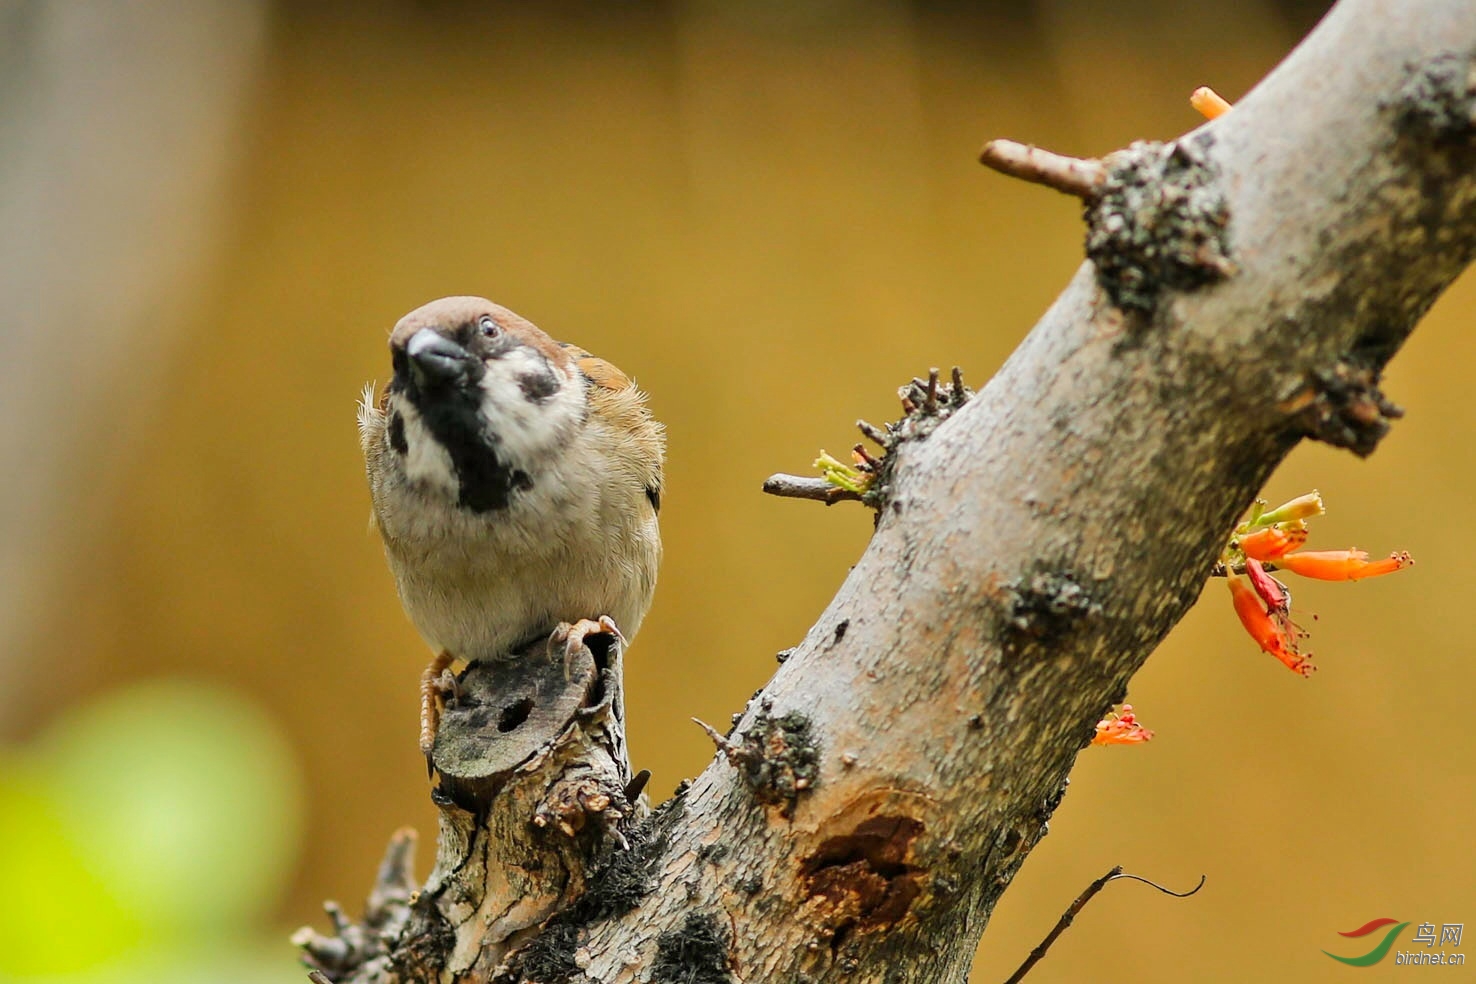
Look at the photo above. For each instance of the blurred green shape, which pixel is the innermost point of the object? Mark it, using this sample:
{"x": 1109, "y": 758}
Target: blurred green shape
{"x": 252, "y": 960}
{"x": 183, "y": 799}
{"x": 56, "y": 915}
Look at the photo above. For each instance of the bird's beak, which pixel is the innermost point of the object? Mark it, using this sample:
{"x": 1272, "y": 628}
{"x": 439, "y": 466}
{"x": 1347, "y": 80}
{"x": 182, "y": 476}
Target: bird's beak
{"x": 435, "y": 359}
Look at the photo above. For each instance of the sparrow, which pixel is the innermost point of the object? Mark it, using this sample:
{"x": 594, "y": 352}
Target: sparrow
{"x": 515, "y": 482}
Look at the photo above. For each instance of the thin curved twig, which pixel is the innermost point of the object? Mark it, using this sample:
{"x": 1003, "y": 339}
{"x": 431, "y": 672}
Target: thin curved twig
{"x": 1075, "y": 907}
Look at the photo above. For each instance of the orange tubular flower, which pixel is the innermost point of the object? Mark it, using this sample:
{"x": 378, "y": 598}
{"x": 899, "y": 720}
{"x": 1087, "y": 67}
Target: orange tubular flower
{"x": 1267, "y": 537}
{"x": 1272, "y": 542}
{"x": 1121, "y": 728}
{"x": 1269, "y": 632}
{"x": 1342, "y": 565}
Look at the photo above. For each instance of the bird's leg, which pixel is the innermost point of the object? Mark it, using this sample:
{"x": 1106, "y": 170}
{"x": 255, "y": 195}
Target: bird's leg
{"x": 433, "y": 688}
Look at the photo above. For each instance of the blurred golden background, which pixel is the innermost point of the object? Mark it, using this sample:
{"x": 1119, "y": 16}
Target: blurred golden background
{"x": 769, "y": 214}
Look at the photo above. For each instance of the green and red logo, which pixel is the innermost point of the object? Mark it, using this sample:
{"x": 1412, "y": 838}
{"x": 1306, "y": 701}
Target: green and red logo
{"x": 1378, "y": 952}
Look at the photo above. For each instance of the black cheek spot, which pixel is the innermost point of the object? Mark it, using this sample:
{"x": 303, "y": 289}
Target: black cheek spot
{"x": 653, "y": 495}
{"x": 397, "y": 434}
{"x": 537, "y": 387}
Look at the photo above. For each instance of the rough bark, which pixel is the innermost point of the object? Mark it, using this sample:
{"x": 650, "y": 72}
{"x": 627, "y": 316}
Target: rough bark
{"x": 1247, "y": 285}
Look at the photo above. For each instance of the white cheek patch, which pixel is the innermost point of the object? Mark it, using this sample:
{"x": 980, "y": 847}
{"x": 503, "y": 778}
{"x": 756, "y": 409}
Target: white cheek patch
{"x": 426, "y": 460}
{"x": 526, "y": 428}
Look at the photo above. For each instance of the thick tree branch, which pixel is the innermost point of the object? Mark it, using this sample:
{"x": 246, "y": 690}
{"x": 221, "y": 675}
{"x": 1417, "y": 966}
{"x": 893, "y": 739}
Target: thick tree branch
{"x": 1247, "y": 285}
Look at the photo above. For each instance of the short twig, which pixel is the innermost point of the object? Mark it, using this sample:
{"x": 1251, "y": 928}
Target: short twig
{"x": 804, "y": 487}
{"x": 1073, "y": 175}
{"x": 318, "y": 977}
{"x": 730, "y": 750}
{"x": 873, "y": 432}
{"x": 1076, "y": 907}
{"x": 395, "y": 881}
{"x": 634, "y": 788}
{"x": 341, "y": 922}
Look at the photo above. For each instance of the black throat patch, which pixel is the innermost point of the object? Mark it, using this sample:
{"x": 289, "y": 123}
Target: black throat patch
{"x": 450, "y": 415}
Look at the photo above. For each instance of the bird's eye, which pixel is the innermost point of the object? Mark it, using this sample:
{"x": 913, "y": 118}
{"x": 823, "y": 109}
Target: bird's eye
{"x": 487, "y": 325}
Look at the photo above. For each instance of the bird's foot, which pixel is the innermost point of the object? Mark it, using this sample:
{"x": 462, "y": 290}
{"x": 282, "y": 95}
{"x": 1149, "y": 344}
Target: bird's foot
{"x": 571, "y": 635}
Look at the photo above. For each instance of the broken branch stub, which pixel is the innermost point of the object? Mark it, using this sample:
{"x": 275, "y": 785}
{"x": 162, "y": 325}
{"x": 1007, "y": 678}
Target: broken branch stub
{"x": 1156, "y": 217}
{"x": 531, "y": 786}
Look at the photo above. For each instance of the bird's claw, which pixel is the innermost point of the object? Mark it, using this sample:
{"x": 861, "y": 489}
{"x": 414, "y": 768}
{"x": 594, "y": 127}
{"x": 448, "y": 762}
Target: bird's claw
{"x": 571, "y": 635}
